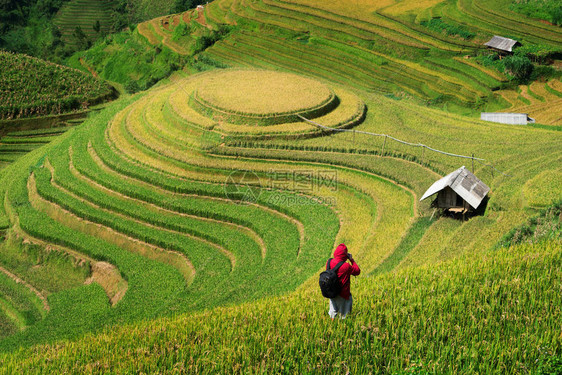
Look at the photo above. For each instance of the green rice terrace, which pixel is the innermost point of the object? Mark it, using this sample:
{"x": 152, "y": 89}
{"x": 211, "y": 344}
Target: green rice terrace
{"x": 182, "y": 229}
{"x": 84, "y": 14}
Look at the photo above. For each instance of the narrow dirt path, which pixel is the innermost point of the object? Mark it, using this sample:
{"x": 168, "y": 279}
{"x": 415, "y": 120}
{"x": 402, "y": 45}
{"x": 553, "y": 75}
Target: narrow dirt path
{"x": 90, "y": 69}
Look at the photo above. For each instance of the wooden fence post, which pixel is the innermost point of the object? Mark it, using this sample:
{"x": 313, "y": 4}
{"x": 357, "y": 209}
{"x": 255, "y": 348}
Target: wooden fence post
{"x": 384, "y": 144}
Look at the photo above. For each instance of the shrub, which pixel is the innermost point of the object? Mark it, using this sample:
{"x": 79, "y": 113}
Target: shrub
{"x": 181, "y": 30}
{"x": 520, "y": 67}
{"x": 132, "y": 86}
{"x": 557, "y": 16}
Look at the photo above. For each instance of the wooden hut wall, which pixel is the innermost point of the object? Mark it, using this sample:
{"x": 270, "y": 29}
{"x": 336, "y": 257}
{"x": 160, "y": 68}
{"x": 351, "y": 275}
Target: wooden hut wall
{"x": 447, "y": 198}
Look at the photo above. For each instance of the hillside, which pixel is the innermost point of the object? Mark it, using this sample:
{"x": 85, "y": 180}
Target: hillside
{"x": 48, "y": 28}
{"x": 32, "y": 87}
{"x": 435, "y": 56}
{"x": 112, "y": 15}
{"x": 182, "y": 228}
{"x": 114, "y": 191}
{"x": 84, "y": 14}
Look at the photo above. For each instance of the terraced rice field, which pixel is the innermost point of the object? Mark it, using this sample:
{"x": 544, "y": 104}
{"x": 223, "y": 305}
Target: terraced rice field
{"x": 174, "y": 219}
{"x": 196, "y": 215}
{"x": 84, "y": 14}
{"x": 540, "y": 100}
{"x": 177, "y": 213}
{"x": 355, "y": 45}
{"x": 184, "y": 208}
{"x": 16, "y": 144}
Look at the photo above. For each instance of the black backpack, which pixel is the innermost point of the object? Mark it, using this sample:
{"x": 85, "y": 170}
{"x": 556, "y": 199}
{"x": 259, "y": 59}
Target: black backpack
{"x": 330, "y": 283}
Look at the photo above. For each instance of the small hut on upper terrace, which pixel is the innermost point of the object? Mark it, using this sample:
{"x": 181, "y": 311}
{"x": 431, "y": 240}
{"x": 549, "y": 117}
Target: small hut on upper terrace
{"x": 458, "y": 192}
{"x": 502, "y": 45}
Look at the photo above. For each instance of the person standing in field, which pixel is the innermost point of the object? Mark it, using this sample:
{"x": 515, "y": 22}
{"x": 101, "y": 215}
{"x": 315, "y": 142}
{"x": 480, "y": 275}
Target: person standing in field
{"x": 342, "y": 303}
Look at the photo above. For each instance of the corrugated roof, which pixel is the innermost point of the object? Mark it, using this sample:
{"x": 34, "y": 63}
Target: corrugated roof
{"x": 464, "y": 183}
{"x": 501, "y": 43}
{"x": 507, "y": 118}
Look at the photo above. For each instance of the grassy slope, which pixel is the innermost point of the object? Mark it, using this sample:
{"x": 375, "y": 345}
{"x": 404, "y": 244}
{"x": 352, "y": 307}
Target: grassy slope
{"x": 127, "y": 57}
{"x": 473, "y": 314}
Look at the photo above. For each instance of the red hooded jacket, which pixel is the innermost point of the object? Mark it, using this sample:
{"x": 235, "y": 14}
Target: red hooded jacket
{"x": 346, "y": 269}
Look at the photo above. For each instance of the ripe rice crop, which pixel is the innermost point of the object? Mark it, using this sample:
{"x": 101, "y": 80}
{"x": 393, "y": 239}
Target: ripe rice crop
{"x": 544, "y": 189}
{"x": 261, "y": 92}
{"x": 397, "y": 313}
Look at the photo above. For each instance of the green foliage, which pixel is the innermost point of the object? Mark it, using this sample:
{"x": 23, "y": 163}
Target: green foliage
{"x": 128, "y": 59}
{"x": 33, "y": 26}
{"x": 181, "y": 30}
{"x": 436, "y": 24}
{"x": 209, "y": 38}
{"x": 141, "y": 10}
{"x": 549, "y": 363}
{"x": 31, "y": 87}
{"x": 23, "y": 25}
{"x": 81, "y": 39}
{"x": 549, "y": 10}
{"x": 557, "y": 16}
{"x": 520, "y": 67}
{"x": 539, "y": 53}
{"x": 183, "y": 5}
{"x": 132, "y": 86}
